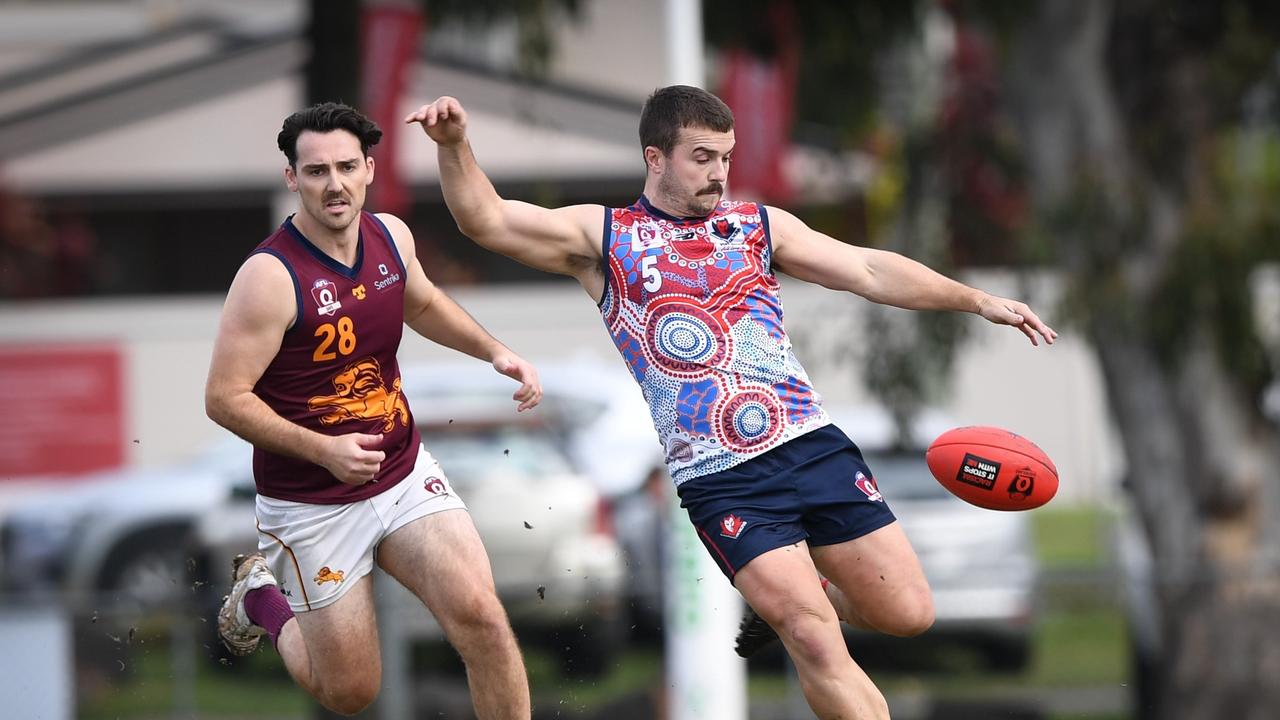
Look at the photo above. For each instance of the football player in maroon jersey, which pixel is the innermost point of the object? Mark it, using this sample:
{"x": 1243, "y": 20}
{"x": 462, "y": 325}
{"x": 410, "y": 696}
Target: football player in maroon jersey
{"x": 304, "y": 367}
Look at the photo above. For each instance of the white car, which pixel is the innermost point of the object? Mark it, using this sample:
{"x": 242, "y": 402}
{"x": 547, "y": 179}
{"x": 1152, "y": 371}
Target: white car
{"x": 116, "y": 541}
{"x": 981, "y": 564}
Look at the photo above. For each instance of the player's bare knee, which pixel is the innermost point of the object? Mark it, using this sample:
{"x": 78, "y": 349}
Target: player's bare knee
{"x": 810, "y": 636}
{"x": 350, "y": 695}
{"x": 877, "y": 705}
{"x": 913, "y": 618}
{"x": 481, "y": 624}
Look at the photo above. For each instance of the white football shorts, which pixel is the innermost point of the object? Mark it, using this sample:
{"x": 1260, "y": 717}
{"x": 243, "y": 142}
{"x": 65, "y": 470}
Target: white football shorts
{"x": 318, "y": 551}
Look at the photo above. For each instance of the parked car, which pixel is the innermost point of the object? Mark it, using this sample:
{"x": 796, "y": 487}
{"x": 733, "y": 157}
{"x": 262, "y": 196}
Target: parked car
{"x": 143, "y": 540}
{"x": 981, "y": 564}
{"x": 557, "y": 567}
{"x": 119, "y": 540}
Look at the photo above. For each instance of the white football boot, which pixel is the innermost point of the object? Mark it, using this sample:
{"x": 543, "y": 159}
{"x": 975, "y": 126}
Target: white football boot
{"x": 238, "y": 633}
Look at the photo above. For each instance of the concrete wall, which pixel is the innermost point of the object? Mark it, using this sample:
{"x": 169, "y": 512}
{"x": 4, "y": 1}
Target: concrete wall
{"x": 1053, "y": 395}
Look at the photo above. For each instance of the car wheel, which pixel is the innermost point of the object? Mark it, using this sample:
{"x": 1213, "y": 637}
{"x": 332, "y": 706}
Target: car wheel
{"x": 147, "y": 572}
{"x": 1012, "y": 654}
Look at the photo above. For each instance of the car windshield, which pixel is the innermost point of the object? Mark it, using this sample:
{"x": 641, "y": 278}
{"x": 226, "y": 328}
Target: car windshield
{"x": 904, "y": 476}
{"x": 469, "y": 454}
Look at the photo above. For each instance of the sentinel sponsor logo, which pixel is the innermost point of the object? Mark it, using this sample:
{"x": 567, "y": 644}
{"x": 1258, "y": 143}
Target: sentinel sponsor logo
{"x": 388, "y": 282}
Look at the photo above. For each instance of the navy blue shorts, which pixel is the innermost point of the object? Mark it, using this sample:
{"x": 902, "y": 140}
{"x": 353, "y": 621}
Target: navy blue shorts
{"x": 816, "y": 488}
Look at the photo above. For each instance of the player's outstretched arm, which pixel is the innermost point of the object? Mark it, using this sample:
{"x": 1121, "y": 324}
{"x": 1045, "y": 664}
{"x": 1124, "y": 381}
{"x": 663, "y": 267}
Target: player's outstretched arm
{"x": 434, "y": 315}
{"x": 889, "y": 278}
{"x": 260, "y": 307}
{"x": 563, "y": 240}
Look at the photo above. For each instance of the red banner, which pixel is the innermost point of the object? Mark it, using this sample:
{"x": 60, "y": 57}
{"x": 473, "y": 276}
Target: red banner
{"x": 66, "y": 410}
{"x": 388, "y": 46}
{"x": 761, "y": 93}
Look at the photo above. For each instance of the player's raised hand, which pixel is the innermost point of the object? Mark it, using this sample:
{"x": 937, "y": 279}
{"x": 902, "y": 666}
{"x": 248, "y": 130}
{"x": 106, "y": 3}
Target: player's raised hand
{"x": 529, "y": 393}
{"x": 1003, "y": 311}
{"x": 352, "y": 459}
{"x": 443, "y": 120}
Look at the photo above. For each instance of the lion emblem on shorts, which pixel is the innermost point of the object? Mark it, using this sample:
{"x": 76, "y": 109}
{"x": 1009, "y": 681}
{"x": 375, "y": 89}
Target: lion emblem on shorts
{"x": 362, "y": 395}
{"x": 326, "y": 575}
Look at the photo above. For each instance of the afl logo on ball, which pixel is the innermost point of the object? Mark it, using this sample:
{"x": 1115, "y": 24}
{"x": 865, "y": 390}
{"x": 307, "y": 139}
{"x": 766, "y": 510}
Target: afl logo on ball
{"x": 1023, "y": 483}
{"x": 435, "y": 486}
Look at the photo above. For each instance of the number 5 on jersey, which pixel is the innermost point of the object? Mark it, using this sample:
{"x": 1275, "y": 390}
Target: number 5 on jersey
{"x": 344, "y": 333}
{"x": 649, "y": 270}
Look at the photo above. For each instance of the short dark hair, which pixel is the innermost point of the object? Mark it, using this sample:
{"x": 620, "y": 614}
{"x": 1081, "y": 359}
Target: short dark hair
{"x": 680, "y": 106}
{"x": 326, "y": 117}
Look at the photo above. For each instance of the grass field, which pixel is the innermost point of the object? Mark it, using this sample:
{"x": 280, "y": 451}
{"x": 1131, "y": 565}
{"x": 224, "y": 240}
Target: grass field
{"x": 1079, "y": 651}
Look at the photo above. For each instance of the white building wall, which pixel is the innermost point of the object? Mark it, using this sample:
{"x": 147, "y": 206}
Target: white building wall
{"x": 615, "y": 48}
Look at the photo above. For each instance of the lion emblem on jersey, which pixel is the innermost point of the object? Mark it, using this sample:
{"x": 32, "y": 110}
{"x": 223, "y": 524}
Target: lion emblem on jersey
{"x": 362, "y": 395}
{"x": 326, "y": 575}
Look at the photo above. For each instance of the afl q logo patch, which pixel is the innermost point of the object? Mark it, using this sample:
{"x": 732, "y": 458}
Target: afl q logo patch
{"x": 325, "y": 293}
{"x": 868, "y": 487}
{"x": 435, "y": 486}
{"x": 1023, "y": 482}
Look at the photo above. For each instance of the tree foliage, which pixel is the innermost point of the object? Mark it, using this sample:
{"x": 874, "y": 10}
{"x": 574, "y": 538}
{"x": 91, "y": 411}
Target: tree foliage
{"x": 1151, "y": 166}
{"x": 1149, "y": 132}
{"x": 1182, "y": 74}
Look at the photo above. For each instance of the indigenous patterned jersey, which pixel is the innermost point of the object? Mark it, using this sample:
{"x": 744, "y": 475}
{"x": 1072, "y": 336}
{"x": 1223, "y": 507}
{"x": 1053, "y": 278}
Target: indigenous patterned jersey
{"x": 693, "y": 306}
{"x": 336, "y": 371}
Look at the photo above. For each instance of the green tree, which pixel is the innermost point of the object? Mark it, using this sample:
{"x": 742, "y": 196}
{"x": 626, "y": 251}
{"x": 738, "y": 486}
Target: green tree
{"x": 845, "y": 51}
{"x": 1131, "y": 116}
{"x": 1148, "y": 138}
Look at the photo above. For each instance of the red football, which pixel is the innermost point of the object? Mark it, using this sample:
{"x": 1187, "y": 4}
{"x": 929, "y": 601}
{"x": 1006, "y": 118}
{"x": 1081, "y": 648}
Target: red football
{"x": 992, "y": 468}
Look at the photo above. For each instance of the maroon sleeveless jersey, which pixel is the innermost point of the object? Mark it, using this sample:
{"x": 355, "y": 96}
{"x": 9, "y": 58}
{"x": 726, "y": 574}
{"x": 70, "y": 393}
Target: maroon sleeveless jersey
{"x": 336, "y": 371}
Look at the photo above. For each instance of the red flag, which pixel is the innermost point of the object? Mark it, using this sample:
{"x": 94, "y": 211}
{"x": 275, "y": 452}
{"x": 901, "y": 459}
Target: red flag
{"x": 388, "y": 45}
{"x": 761, "y": 93}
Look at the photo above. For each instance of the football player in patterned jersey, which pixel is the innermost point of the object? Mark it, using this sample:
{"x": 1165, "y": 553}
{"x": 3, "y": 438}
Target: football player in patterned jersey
{"x": 304, "y": 367}
{"x": 686, "y": 286}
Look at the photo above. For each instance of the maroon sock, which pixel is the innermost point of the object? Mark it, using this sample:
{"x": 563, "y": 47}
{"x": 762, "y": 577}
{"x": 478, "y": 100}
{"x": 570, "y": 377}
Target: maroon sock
{"x": 267, "y": 608}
